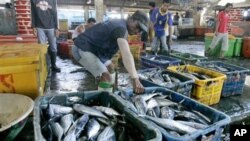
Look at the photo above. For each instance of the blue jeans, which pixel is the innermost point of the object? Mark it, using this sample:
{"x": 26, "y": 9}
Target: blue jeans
{"x": 156, "y": 42}
{"x": 45, "y": 35}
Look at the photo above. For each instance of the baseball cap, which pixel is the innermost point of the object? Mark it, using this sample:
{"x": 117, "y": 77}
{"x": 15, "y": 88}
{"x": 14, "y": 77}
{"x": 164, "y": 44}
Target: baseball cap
{"x": 142, "y": 19}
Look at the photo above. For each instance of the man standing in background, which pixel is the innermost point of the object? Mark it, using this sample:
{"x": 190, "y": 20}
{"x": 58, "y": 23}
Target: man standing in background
{"x": 162, "y": 21}
{"x": 45, "y": 26}
{"x": 151, "y": 26}
{"x": 221, "y": 30}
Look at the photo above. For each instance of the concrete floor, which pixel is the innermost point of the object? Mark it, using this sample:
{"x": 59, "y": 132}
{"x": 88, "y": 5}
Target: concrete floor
{"x": 74, "y": 78}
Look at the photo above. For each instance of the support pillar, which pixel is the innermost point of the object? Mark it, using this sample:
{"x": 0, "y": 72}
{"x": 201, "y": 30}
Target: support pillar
{"x": 99, "y": 8}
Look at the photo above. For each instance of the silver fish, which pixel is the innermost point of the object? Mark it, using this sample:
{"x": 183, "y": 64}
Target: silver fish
{"x": 57, "y": 130}
{"x": 164, "y": 102}
{"x": 146, "y": 97}
{"x": 152, "y": 103}
{"x": 103, "y": 121}
{"x": 171, "y": 125}
{"x": 80, "y": 124}
{"x": 66, "y": 121}
{"x": 202, "y": 116}
{"x": 175, "y": 80}
{"x": 221, "y": 69}
{"x": 140, "y": 104}
{"x": 193, "y": 124}
{"x": 93, "y": 128}
{"x": 189, "y": 115}
{"x": 83, "y": 139}
{"x": 70, "y": 137}
{"x": 58, "y": 109}
{"x": 107, "y": 111}
{"x": 107, "y": 134}
{"x": 82, "y": 109}
{"x": 76, "y": 128}
{"x": 166, "y": 78}
{"x": 167, "y": 113}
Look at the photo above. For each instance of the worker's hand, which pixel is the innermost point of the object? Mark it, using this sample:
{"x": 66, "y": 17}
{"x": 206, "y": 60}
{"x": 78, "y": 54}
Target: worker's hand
{"x": 57, "y": 32}
{"x": 105, "y": 77}
{"x": 35, "y": 32}
{"x": 138, "y": 88}
{"x": 111, "y": 68}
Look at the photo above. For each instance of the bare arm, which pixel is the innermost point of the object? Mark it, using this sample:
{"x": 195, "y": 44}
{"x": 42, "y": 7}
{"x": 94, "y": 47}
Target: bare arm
{"x": 127, "y": 58}
{"x": 128, "y": 61}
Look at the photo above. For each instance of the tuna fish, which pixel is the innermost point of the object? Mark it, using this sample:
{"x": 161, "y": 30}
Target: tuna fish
{"x": 107, "y": 111}
{"x": 171, "y": 125}
{"x": 82, "y": 109}
{"x": 107, "y": 134}
{"x": 66, "y": 121}
{"x": 93, "y": 128}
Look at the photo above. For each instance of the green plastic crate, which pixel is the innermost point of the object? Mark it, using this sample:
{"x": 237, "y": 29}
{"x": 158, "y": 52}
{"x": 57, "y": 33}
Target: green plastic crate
{"x": 238, "y": 47}
{"x": 217, "y": 49}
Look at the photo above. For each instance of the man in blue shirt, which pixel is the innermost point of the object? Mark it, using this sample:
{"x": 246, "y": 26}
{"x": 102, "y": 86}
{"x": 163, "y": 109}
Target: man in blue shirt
{"x": 162, "y": 21}
{"x": 96, "y": 46}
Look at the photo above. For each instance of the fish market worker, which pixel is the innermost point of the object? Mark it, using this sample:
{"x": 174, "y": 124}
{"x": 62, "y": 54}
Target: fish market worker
{"x": 95, "y": 47}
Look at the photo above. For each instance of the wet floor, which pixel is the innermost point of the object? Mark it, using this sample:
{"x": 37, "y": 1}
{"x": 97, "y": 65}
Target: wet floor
{"x": 74, "y": 78}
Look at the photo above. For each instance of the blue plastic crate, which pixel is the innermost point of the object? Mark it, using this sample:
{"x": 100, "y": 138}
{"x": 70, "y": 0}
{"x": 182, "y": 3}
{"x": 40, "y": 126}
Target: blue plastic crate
{"x": 188, "y": 57}
{"x": 236, "y": 77}
{"x": 147, "y": 62}
{"x": 185, "y": 87}
{"x": 219, "y": 120}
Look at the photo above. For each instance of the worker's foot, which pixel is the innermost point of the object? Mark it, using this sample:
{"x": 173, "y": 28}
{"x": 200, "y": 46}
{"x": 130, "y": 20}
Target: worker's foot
{"x": 56, "y": 69}
{"x": 165, "y": 52}
{"x": 222, "y": 57}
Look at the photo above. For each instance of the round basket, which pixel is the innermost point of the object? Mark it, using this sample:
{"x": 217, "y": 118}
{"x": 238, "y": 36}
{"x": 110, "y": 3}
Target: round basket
{"x": 14, "y": 110}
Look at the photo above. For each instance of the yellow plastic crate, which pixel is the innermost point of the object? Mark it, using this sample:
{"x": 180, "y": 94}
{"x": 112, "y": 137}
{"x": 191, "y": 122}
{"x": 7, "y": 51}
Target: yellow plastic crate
{"x": 25, "y": 54}
{"x": 63, "y": 25}
{"x": 134, "y": 38}
{"x": 206, "y": 91}
{"x": 23, "y": 79}
{"x": 136, "y": 49}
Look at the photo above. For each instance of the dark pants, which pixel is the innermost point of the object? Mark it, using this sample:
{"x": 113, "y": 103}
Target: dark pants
{"x": 144, "y": 39}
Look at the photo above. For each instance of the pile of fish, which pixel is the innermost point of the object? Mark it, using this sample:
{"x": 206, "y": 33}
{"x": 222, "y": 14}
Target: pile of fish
{"x": 172, "y": 116}
{"x": 158, "y": 77}
{"x": 85, "y": 123}
{"x": 124, "y": 81}
{"x": 158, "y": 59}
{"x": 196, "y": 75}
{"x": 218, "y": 67}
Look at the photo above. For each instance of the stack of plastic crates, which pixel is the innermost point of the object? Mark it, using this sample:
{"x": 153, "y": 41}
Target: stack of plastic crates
{"x": 236, "y": 77}
{"x": 136, "y": 48}
{"x": 206, "y": 91}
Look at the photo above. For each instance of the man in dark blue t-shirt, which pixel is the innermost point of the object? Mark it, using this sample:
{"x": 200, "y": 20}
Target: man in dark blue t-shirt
{"x": 96, "y": 46}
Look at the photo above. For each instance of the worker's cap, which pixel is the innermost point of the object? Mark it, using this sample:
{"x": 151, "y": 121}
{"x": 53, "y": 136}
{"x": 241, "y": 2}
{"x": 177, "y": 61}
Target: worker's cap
{"x": 142, "y": 19}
